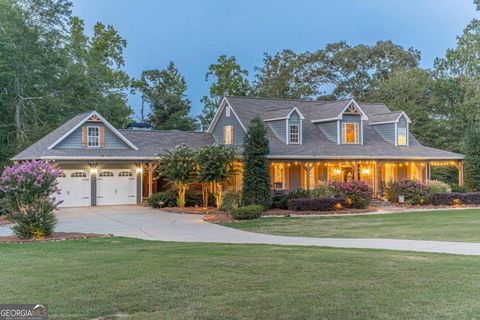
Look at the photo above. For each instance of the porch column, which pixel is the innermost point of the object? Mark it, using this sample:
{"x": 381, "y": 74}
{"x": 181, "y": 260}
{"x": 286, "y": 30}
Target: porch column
{"x": 356, "y": 176}
{"x": 150, "y": 179}
{"x": 460, "y": 173}
{"x": 378, "y": 179}
{"x": 308, "y": 168}
{"x": 429, "y": 171}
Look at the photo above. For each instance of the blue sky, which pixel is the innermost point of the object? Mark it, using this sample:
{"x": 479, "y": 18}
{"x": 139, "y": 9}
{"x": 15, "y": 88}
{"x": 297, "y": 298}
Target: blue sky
{"x": 194, "y": 33}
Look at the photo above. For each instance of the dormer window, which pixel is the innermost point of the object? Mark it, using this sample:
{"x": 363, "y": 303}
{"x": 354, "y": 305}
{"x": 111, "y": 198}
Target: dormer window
{"x": 350, "y": 133}
{"x": 228, "y": 135}
{"x": 402, "y": 136}
{"x": 93, "y": 136}
{"x": 294, "y": 134}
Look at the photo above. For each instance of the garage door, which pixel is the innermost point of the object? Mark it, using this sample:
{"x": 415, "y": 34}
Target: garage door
{"x": 74, "y": 188}
{"x": 116, "y": 187}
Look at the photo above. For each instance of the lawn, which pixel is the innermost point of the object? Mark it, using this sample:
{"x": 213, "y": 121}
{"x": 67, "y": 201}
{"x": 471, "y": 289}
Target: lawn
{"x": 451, "y": 225}
{"x": 92, "y": 278}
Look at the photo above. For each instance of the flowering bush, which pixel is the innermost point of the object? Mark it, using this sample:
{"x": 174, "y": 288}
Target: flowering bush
{"x": 28, "y": 188}
{"x": 413, "y": 191}
{"x": 323, "y": 190}
{"x": 358, "y": 194}
{"x": 437, "y": 186}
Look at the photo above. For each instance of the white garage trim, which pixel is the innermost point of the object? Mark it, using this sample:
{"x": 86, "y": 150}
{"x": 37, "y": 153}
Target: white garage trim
{"x": 75, "y": 188}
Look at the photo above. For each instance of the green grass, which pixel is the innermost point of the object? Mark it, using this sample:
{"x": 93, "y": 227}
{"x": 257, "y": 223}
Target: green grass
{"x": 451, "y": 225}
{"x": 86, "y": 279}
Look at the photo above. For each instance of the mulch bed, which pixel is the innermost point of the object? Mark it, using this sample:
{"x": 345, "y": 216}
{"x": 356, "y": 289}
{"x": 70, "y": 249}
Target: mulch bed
{"x": 218, "y": 217}
{"x": 192, "y": 210}
{"x": 56, "y": 236}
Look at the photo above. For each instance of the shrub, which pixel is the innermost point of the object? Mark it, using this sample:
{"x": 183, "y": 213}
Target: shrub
{"x": 281, "y": 201}
{"x": 437, "y": 186}
{"x": 163, "y": 199}
{"x": 358, "y": 194}
{"x": 457, "y": 188}
{"x": 248, "y": 212}
{"x": 28, "y": 188}
{"x": 194, "y": 197}
{"x": 35, "y": 222}
{"x": 231, "y": 201}
{"x": 315, "y": 204}
{"x": 413, "y": 191}
{"x": 448, "y": 198}
{"x": 323, "y": 190}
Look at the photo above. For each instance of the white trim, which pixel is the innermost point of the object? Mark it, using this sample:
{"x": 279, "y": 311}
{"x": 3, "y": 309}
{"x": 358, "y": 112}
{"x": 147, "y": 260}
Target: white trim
{"x": 105, "y": 122}
{"x": 290, "y": 134}
{"x": 301, "y": 132}
{"x": 298, "y": 111}
{"x": 361, "y": 132}
{"x": 363, "y": 115}
{"x": 275, "y": 119}
{"x": 394, "y": 121}
{"x": 98, "y": 136}
{"x": 287, "y": 136}
{"x": 219, "y": 113}
{"x": 357, "y": 133}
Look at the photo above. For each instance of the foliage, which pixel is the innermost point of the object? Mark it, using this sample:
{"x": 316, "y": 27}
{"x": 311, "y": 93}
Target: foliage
{"x": 248, "y": 212}
{"x": 413, "y": 191}
{"x": 316, "y": 204}
{"x": 230, "y": 80}
{"x": 280, "y": 201}
{"x": 163, "y": 199}
{"x": 50, "y": 71}
{"x": 28, "y": 188}
{"x": 323, "y": 189}
{"x": 35, "y": 222}
{"x": 215, "y": 165}
{"x": 179, "y": 168}
{"x": 165, "y": 93}
{"x": 436, "y": 186}
{"x": 232, "y": 200}
{"x": 194, "y": 198}
{"x": 449, "y": 198}
{"x": 358, "y": 194}
{"x": 472, "y": 158}
{"x": 256, "y": 173}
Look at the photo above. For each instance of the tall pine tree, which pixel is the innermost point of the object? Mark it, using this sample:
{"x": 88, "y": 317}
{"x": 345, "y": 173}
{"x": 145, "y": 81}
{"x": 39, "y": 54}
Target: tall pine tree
{"x": 256, "y": 174}
{"x": 472, "y": 157}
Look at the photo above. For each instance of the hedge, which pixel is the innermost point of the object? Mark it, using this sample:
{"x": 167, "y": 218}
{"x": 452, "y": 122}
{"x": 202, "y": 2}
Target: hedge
{"x": 447, "y": 198}
{"x": 253, "y": 211}
{"x": 315, "y": 204}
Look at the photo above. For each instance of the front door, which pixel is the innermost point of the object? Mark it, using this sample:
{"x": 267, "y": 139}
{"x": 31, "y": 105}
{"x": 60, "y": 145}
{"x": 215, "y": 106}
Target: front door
{"x": 347, "y": 174}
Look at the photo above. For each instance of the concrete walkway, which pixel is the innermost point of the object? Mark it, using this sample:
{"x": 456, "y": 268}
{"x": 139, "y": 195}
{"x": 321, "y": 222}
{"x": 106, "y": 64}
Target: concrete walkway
{"x": 150, "y": 224}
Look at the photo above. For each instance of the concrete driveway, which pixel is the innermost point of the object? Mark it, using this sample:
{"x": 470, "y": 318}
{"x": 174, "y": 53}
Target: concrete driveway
{"x": 151, "y": 224}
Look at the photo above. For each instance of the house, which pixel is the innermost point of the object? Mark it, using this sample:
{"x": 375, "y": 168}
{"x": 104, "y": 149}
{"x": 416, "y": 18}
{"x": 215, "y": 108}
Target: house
{"x": 310, "y": 142}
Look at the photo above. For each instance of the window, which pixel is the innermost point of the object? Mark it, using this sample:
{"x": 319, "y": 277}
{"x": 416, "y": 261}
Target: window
{"x": 78, "y": 174}
{"x": 62, "y": 175}
{"x": 106, "y": 174}
{"x": 125, "y": 174}
{"x": 402, "y": 136}
{"x": 279, "y": 176}
{"x": 227, "y": 111}
{"x": 228, "y": 135}
{"x": 294, "y": 133}
{"x": 93, "y": 136}
{"x": 350, "y": 133}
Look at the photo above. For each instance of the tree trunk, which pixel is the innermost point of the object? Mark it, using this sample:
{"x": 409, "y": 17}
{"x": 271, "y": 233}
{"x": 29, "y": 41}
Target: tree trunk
{"x": 205, "y": 194}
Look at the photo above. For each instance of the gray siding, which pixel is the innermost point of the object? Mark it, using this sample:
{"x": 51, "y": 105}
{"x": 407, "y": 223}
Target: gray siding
{"x": 329, "y": 129}
{"x": 294, "y": 177}
{"x": 74, "y": 140}
{"x": 238, "y": 132}
{"x": 387, "y": 131}
{"x": 350, "y": 118}
{"x": 139, "y": 187}
{"x": 279, "y": 128}
{"x": 93, "y": 188}
{"x": 294, "y": 119}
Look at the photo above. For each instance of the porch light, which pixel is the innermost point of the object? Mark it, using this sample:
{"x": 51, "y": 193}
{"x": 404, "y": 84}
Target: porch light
{"x": 365, "y": 171}
{"x": 93, "y": 170}
{"x": 139, "y": 170}
{"x": 337, "y": 171}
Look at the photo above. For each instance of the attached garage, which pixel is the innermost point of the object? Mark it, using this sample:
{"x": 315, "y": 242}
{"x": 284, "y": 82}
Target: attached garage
{"x": 116, "y": 187}
{"x": 75, "y": 186}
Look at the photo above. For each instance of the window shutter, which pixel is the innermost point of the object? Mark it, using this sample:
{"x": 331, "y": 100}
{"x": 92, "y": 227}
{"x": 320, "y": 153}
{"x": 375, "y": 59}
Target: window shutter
{"x": 84, "y": 136}
{"x": 102, "y": 136}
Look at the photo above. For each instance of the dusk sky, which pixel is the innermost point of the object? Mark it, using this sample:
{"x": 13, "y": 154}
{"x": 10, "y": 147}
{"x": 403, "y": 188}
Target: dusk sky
{"x": 193, "y": 34}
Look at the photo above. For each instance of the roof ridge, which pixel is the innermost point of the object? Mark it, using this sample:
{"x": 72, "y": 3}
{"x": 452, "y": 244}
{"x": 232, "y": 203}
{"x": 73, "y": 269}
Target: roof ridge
{"x": 281, "y": 99}
{"x": 396, "y": 111}
{"x": 158, "y": 130}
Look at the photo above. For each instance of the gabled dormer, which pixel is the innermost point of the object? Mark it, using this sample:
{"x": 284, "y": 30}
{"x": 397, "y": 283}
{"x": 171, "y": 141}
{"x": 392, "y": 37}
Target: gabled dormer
{"x": 286, "y": 124}
{"x": 392, "y": 126}
{"x": 341, "y": 121}
{"x": 92, "y": 132}
{"x": 226, "y": 126}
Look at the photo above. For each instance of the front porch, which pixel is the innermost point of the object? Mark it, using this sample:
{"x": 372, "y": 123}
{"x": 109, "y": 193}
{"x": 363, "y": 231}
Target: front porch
{"x": 305, "y": 174}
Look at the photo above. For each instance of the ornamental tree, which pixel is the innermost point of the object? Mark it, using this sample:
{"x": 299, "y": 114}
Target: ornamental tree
{"x": 29, "y": 188}
{"x": 215, "y": 165}
{"x": 179, "y": 167}
{"x": 256, "y": 175}
{"x": 472, "y": 158}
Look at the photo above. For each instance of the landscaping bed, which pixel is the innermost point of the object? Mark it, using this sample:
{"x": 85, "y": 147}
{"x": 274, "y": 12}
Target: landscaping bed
{"x": 56, "y": 236}
{"x": 192, "y": 210}
{"x": 281, "y": 212}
